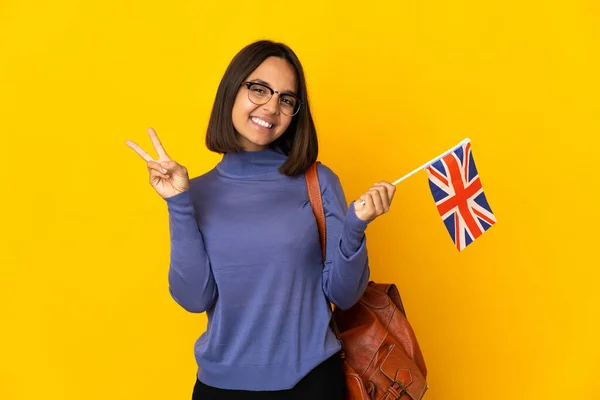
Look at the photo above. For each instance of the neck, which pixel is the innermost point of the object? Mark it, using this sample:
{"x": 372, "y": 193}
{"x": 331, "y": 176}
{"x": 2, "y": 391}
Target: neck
{"x": 248, "y": 163}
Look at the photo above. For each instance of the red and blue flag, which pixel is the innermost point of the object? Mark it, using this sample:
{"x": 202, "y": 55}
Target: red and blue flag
{"x": 459, "y": 197}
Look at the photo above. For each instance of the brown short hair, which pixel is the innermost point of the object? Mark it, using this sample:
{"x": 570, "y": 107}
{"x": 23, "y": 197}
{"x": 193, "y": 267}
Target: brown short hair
{"x": 298, "y": 142}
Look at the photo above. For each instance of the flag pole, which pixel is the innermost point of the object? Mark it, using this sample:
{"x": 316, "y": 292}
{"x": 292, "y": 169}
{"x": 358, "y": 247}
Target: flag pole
{"x": 428, "y": 163}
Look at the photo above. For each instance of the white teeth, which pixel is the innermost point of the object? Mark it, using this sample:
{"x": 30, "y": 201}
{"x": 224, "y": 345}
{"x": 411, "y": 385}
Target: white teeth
{"x": 261, "y": 122}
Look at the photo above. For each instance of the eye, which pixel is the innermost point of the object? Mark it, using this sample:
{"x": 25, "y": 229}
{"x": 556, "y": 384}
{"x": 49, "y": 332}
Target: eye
{"x": 259, "y": 89}
{"x": 288, "y": 101}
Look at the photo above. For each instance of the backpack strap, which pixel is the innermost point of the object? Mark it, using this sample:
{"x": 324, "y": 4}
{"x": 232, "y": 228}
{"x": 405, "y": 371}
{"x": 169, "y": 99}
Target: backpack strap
{"x": 316, "y": 202}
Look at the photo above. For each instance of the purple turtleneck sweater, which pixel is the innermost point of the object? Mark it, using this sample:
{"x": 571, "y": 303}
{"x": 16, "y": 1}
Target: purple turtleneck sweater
{"x": 245, "y": 248}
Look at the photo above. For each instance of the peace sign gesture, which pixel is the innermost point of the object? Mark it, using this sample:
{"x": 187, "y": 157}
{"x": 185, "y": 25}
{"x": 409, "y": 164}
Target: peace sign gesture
{"x": 167, "y": 177}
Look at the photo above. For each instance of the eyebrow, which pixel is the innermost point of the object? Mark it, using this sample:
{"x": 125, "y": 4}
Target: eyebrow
{"x": 269, "y": 85}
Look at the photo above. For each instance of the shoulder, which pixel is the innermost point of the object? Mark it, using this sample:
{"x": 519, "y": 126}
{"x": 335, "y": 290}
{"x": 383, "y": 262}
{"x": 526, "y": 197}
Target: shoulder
{"x": 206, "y": 177}
{"x": 331, "y": 186}
{"x": 201, "y": 183}
{"x": 327, "y": 177}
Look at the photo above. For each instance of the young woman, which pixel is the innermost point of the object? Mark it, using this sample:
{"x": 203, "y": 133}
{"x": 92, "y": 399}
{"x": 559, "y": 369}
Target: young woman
{"x": 245, "y": 245}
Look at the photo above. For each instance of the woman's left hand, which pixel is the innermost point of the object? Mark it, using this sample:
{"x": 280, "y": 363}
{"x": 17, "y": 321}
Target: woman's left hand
{"x": 375, "y": 202}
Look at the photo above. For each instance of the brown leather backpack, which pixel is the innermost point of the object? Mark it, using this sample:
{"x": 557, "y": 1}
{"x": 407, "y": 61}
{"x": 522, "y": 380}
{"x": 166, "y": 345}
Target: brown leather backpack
{"x": 382, "y": 359}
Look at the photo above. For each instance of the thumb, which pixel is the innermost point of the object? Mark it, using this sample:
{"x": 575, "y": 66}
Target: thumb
{"x": 359, "y": 205}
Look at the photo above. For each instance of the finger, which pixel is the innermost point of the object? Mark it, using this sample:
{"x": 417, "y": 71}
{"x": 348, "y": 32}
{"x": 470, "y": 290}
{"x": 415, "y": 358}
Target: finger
{"x": 377, "y": 201}
{"x": 384, "y": 196}
{"x": 367, "y": 203}
{"x": 158, "y": 167}
{"x": 391, "y": 189}
{"x": 154, "y": 175}
{"x": 139, "y": 150}
{"x": 170, "y": 165}
{"x": 157, "y": 144}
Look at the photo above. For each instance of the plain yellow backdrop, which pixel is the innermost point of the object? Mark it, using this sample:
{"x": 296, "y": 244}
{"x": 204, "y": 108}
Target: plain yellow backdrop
{"x": 84, "y": 306}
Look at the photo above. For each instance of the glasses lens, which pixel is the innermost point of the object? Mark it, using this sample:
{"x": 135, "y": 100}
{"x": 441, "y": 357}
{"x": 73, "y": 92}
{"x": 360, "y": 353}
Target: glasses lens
{"x": 258, "y": 94}
{"x": 289, "y": 104}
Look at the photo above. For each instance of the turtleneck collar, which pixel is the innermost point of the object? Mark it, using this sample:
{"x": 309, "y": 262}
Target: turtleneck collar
{"x": 245, "y": 164}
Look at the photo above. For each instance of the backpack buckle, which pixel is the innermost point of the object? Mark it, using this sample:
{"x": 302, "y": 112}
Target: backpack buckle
{"x": 395, "y": 391}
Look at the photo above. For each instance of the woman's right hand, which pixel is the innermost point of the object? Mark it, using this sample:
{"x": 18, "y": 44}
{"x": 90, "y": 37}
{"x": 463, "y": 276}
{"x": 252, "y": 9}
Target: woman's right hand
{"x": 167, "y": 177}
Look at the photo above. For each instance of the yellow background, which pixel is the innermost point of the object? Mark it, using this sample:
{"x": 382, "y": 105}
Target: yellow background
{"x": 85, "y": 310}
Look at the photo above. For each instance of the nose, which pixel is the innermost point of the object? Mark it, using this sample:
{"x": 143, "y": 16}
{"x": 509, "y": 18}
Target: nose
{"x": 272, "y": 106}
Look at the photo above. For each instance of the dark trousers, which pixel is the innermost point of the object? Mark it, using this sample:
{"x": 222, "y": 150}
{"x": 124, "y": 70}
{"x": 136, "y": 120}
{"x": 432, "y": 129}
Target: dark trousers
{"x": 324, "y": 382}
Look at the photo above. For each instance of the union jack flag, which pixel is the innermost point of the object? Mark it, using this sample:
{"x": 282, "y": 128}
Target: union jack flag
{"x": 459, "y": 197}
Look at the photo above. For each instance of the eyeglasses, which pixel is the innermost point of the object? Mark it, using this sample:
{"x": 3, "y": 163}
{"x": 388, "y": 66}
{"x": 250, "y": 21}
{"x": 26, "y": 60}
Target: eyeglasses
{"x": 260, "y": 94}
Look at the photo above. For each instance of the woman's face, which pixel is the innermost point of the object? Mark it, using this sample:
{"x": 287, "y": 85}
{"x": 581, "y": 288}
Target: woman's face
{"x": 257, "y": 126}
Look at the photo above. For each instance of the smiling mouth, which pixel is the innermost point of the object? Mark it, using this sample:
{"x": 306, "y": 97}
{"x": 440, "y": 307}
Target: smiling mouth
{"x": 262, "y": 123}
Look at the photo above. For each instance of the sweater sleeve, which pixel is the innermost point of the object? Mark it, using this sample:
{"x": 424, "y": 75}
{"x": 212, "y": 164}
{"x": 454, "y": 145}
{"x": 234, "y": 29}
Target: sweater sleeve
{"x": 346, "y": 271}
{"x": 191, "y": 282}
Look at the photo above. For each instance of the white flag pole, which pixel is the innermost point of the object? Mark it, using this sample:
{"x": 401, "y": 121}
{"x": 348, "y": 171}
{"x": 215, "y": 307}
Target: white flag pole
{"x": 428, "y": 163}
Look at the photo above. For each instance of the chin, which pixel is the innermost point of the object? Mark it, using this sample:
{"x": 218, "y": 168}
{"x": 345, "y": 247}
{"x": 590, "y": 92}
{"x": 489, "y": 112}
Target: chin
{"x": 262, "y": 144}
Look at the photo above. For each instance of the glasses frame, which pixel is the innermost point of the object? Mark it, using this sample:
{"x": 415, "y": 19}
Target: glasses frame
{"x": 250, "y": 83}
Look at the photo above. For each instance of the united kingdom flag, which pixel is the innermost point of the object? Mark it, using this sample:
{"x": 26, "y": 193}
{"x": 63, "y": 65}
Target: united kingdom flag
{"x": 459, "y": 197}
